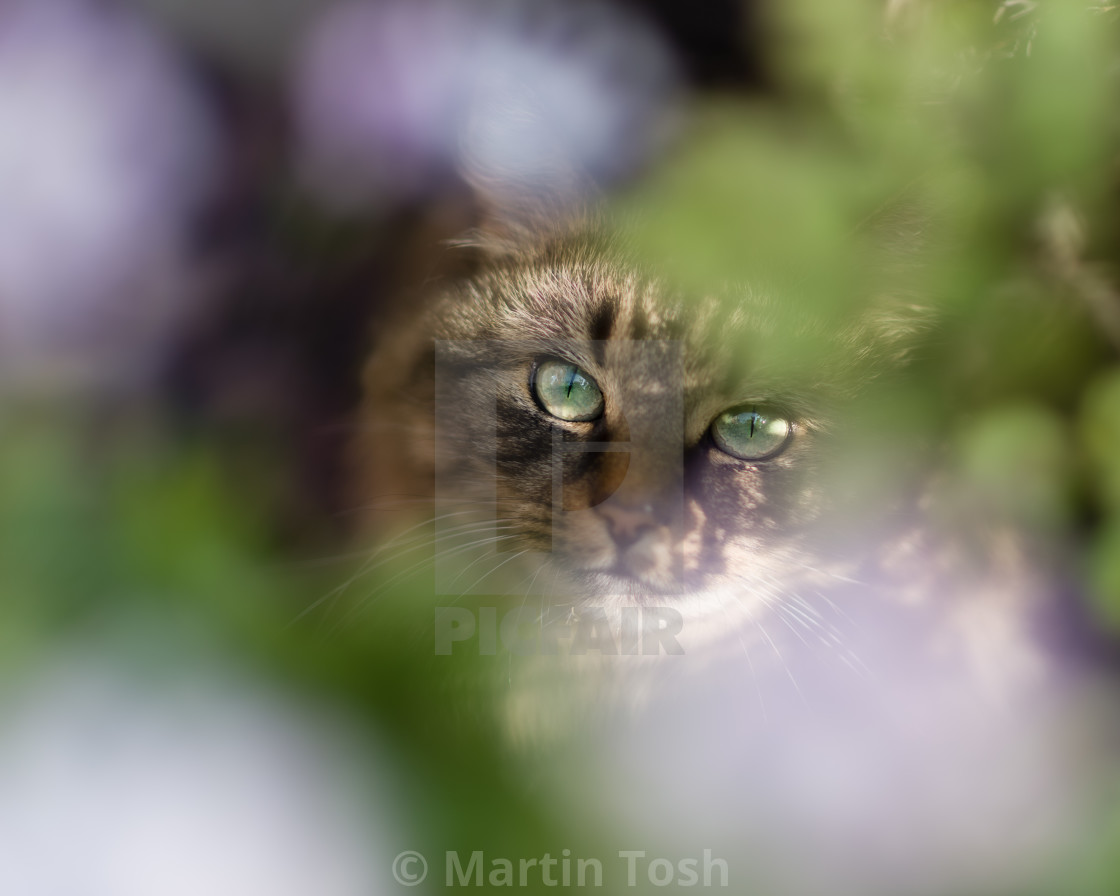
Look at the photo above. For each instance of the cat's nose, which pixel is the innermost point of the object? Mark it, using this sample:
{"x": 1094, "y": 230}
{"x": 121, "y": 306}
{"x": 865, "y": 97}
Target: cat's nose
{"x": 627, "y": 522}
{"x": 643, "y": 540}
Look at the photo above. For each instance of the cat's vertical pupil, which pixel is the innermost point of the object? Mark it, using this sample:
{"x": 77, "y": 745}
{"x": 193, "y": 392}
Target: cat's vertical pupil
{"x": 565, "y": 391}
{"x": 751, "y": 432}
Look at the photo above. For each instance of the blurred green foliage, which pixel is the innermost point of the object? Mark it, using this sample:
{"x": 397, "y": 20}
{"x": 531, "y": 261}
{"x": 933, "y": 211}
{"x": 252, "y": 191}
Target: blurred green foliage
{"x": 954, "y": 157}
{"x": 126, "y": 544}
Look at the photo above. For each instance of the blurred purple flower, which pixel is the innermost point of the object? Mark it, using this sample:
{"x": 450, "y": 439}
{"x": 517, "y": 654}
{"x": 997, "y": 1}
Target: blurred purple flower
{"x": 394, "y": 99}
{"x": 827, "y": 777}
{"x": 208, "y": 786}
{"x": 104, "y": 151}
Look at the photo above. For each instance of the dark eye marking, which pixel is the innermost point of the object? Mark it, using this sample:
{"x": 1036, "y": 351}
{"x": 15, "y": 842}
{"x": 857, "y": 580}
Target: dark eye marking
{"x": 602, "y": 322}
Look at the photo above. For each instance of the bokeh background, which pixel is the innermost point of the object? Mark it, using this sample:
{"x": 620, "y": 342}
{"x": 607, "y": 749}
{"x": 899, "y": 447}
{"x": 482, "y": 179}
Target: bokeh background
{"x": 208, "y": 210}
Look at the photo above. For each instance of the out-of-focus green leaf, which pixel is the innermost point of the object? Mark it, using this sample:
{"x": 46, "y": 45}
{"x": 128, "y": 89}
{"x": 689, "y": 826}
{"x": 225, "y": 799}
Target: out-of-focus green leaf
{"x": 1104, "y": 574}
{"x": 1013, "y": 464}
{"x": 755, "y": 199}
{"x": 1100, "y": 435}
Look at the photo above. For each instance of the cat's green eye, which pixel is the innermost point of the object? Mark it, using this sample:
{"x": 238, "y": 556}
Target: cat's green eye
{"x": 751, "y": 432}
{"x": 565, "y": 391}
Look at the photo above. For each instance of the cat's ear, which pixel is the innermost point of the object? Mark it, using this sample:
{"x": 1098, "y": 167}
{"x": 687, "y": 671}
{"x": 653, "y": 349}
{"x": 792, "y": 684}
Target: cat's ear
{"x": 892, "y": 328}
{"x": 901, "y": 312}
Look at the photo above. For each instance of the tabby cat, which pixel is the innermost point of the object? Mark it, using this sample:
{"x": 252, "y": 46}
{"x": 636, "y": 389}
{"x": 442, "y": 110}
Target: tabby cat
{"x": 586, "y": 435}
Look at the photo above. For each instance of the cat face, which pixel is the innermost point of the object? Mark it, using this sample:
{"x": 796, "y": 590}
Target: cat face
{"x": 636, "y": 444}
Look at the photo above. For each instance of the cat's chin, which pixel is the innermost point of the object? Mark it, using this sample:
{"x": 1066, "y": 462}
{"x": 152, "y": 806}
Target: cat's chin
{"x": 705, "y": 619}
{"x": 692, "y": 596}
{"x": 619, "y": 586}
